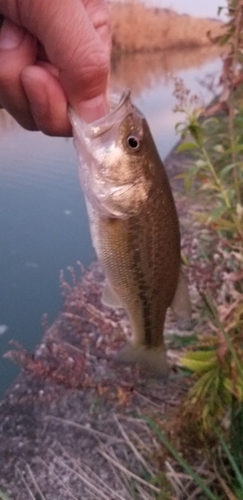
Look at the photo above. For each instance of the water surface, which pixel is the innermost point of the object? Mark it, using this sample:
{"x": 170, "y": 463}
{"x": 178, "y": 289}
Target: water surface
{"x": 43, "y": 221}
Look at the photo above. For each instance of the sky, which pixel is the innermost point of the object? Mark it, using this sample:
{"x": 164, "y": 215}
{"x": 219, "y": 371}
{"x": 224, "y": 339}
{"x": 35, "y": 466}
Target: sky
{"x": 200, "y": 8}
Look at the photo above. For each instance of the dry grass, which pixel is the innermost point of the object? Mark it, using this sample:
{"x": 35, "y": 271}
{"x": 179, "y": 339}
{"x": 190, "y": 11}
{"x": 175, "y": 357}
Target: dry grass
{"x": 129, "y": 464}
{"x": 133, "y": 457}
{"x": 137, "y": 27}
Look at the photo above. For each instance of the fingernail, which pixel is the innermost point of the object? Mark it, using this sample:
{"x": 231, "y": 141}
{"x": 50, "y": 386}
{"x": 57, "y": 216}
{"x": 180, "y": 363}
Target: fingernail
{"x": 93, "y": 109}
{"x": 10, "y": 35}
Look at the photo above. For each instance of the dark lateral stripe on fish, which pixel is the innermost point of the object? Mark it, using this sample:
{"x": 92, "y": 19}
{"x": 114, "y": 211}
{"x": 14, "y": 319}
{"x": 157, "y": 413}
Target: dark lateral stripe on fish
{"x": 146, "y": 304}
{"x": 141, "y": 281}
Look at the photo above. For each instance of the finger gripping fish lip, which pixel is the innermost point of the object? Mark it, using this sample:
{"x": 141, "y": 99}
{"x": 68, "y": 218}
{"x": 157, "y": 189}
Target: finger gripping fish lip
{"x": 119, "y": 109}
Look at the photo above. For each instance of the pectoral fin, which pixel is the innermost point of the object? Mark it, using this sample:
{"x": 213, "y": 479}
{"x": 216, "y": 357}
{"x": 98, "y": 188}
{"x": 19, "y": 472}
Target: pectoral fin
{"x": 109, "y": 297}
{"x": 153, "y": 359}
{"x": 181, "y": 304}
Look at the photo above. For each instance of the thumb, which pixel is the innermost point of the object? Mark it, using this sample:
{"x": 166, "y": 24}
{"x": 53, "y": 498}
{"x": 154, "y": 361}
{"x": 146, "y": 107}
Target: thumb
{"x": 76, "y": 39}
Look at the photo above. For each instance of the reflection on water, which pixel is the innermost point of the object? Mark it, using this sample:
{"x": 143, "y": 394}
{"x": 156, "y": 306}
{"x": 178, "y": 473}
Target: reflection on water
{"x": 44, "y": 227}
{"x": 151, "y": 79}
{"x": 141, "y": 72}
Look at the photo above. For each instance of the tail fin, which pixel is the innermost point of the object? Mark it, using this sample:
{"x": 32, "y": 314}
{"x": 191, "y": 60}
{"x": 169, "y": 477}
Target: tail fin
{"x": 153, "y": 358}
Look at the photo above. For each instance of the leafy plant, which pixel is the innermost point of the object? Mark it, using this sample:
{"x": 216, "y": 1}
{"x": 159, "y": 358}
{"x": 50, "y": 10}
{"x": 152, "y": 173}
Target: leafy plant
{"x": 218, "y": 486}
{"x": 183, "y": 463}
{"x": 216, "y": 144}
{"x": 218, "y": 367}
{"x": 217, "y": 169}
{"x": 238, "y": 473}
{"x": 3, "y": 496}
{"x": 214, "y": 139}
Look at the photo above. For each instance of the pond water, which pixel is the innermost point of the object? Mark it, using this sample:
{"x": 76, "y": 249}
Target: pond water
{"x": 43, "y": 221}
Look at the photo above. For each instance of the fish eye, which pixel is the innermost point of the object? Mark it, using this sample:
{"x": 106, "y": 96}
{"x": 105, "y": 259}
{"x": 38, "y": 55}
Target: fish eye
{"x": 133, "y": 142}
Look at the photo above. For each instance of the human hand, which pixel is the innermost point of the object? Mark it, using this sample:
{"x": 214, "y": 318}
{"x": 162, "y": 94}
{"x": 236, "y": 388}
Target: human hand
{"x": 54, "y": 53}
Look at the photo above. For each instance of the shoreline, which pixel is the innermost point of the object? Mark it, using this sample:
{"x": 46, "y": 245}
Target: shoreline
{"x": 158, "y": 28}
{"x": 72, "y": 377}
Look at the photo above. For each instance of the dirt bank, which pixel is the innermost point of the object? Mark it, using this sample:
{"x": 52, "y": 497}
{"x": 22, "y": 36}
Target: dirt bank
{"x": 69, "y": 422}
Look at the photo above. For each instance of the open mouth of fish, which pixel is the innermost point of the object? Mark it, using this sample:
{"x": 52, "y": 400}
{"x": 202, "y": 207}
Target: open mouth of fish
{"x": 119, "y": 109}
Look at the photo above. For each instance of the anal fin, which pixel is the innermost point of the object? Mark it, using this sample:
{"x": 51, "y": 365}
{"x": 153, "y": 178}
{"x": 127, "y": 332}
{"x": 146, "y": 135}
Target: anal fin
{"x": 109, "y": 297}
{"x": 181, "y": 304}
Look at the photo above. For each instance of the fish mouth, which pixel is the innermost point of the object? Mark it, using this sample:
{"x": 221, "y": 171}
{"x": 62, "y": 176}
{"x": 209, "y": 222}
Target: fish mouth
{"x": 119, "y": 109}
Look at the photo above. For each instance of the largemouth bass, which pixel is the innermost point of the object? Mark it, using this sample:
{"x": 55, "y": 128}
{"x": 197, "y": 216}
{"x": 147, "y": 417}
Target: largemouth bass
{"x": 134, "y": 227}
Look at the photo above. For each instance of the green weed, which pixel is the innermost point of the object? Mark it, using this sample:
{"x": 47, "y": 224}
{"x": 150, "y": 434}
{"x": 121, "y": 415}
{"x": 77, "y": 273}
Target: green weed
{"x": 213, "y": 137}
{"x": 183, "y": 463}
{"x": 3, "y": 496}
